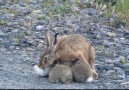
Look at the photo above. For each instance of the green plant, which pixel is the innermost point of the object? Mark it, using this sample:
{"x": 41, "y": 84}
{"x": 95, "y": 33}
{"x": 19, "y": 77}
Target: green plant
{"x": 27, "y": 1}
{"x": 21, "y": 35}
{"x": 17, "y": 40}
{"x": 123, "y": 60}
{"x": 108, "y": 14}
{"x": 3, "y": 22}
{"x": 101, "y": 48}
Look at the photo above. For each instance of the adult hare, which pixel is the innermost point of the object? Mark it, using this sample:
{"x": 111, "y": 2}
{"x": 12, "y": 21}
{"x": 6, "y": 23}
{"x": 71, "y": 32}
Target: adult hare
{"x": 67, "y": 47}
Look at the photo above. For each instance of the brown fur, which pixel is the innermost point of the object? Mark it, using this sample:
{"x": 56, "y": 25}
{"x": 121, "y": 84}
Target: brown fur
{"x": 73, "y": 47}
{"x": 81, "y": 72}
{"x": 60, "y": 73}
{"x": 68, "y": 47}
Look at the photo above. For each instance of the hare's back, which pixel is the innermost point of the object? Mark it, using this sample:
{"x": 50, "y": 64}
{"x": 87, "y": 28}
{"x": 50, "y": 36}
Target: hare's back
{"x": 75, "y": 39}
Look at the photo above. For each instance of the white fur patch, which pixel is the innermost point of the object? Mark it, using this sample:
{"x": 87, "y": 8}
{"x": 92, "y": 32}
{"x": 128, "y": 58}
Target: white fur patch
{"x": 41, "y": 72}
{"x": 89, "y": 79}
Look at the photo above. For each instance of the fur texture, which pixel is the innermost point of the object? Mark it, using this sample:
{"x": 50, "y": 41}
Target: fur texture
{"x": 82, "y": 72}
{"x": 41, "y": 72}
{"x": 60, "y": 73}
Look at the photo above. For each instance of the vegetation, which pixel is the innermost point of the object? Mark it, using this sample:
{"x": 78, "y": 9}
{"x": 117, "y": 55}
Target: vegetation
{"x": 3, "y": 22}
{"x": 123, "y": 60}
{"x": 120, "y": 7}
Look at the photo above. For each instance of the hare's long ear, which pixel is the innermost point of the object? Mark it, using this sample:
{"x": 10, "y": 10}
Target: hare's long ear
{"x": 47, "y": 39}
{"x": 54, "y": 40}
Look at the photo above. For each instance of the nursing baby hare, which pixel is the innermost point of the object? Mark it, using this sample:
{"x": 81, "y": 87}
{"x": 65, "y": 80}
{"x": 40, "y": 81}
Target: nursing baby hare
{"x": 82, "y": 73}
{"x": 67, "y": 47}
{"x": 60, "y": 73}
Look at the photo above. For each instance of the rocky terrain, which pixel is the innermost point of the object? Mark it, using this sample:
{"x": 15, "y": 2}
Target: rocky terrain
{"x": 22, "y": 27}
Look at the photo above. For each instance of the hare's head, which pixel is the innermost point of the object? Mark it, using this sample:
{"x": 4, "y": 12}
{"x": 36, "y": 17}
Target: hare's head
{"x": 47, "y": 57}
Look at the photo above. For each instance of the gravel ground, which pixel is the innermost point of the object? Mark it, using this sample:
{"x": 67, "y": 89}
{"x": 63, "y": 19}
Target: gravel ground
{"x": 21, "y": 43}
{"x": 16, "y": 71}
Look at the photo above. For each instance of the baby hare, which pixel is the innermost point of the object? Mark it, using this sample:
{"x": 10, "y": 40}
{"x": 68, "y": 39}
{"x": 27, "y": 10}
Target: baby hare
{"x": 82, "y": 73}
{"x": 60, "y": 73}
{"x": 67, "y": 47}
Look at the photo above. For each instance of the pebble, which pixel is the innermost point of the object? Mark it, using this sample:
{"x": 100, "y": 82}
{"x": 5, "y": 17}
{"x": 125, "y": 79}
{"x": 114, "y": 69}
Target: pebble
{"x": 119, "y": 73}
{"x": 1, "y": 33}
{"x": 39, "y": 27}
{"x": 40, "y": 45}
{"x": 111, "y": 34}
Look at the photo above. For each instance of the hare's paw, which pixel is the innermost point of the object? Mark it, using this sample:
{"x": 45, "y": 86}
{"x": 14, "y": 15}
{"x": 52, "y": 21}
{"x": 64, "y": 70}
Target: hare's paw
{"x": 89, "y": 79}
{"x": 39, "y": 71}
{"x": 95, "y": 75}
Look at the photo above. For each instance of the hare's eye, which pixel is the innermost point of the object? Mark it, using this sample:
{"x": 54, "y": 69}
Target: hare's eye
{"x": 45, "y": 59}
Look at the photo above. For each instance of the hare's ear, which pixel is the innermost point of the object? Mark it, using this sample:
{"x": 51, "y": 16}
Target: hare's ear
{"x": 47, "y": 39}
{"x": 55, "y": 39}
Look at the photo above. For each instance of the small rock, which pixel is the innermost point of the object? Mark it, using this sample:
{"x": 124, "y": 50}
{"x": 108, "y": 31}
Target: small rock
{"x": 126, "y": 34}
{"x": 127, "y": 77}
{"x": 40, "y": 45}
{"x": 39, "y": 27}
{"x": 17, "y": 47}
{"x": 41, "y": 41}
{"x": 126, "y": 66}
{"x": 104, "y": 7}
{"x": 122, "y": 38}
{"x": 1, "y": 39}
{"x": 111, "y": 34}
{"x": 110, "y": 72}
{"x": 115, "y": 21}
{"x": 15, "y": 30}
{"x": 108, "y": 61}
{"x": 89, "y": 11}
{"x": 12, "y": 47}
{"x": 35, "y": 13}
{"x": 1, "y": 33}
{"x": 29, "y": 49}
{"x": 120, "y": 75}
{"x": 105, "y": 67}
{"x": 6, "y": 42}
{"x": 31, "y": 42}
{"x": 118, "y": 64}
{"x": 127, "y": 71}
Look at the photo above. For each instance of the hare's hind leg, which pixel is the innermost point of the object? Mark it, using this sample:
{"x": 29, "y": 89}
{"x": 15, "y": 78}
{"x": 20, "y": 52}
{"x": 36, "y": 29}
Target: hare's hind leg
{"x": 81, "y": 57}
{"x": 92, "y": 61}
{"x": 95, "y": 74}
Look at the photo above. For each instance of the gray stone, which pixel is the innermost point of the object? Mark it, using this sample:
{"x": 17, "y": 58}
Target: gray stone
{"x": 39, "y": 27}
{"x": 120, "y": 75}
{"x": 1, "y": 33}
{"x": 105, "y": 67}
{"x": 127, "y": 71}
{"x": 126, "y": 66}
{"x": 89, "y": 11}
{"x": 12, "y": 47}
{"x": 15, "y": 31}
{"x": 31, "y": 42}
{"x": 108, "y": 61}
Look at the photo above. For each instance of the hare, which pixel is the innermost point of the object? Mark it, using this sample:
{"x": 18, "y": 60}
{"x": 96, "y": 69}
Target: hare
{"x": 60, "y": 73}
{"x": 67, "y": 47}
{"x": 82, "y": 73}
